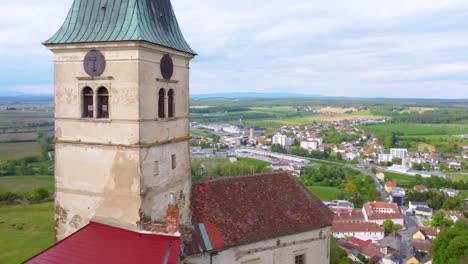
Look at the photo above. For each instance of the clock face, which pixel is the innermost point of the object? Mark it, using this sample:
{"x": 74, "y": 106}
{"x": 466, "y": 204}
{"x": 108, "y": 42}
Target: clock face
{"x": 94, "y": 63}
{"x": 167, "y": 67}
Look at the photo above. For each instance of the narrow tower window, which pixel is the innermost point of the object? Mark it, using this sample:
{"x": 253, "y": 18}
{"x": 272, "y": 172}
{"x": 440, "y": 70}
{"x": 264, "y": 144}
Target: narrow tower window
{"x": 103, "y": 103}
{"x": 173, "y": 161}
{"x": 161, "y": 105}
{"x": 170, "y": 94}
{"x": 88, "y": 105}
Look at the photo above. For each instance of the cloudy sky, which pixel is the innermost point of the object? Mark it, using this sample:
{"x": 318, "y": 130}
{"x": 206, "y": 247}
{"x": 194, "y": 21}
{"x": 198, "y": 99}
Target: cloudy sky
{"x": 359, "y": 48}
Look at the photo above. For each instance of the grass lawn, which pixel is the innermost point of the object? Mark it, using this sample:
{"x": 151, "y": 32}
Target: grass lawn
{"x": 409, "y": 129}
{"x": 25, "y": 231}
{"x": 464, "y": 193}
{"x": 458, "y": 176}
{"x": 26, "y": 183}
{"x": 203, "y": 133}
{"x": 18, "y": 150}
{"x": 400, "y": 179}
{"x": 324, "y": 193}
{"x": 257, "y": 163}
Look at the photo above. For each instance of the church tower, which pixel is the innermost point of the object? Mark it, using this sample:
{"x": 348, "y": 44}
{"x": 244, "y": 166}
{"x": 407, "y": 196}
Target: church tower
{"x": 121, "y": 114}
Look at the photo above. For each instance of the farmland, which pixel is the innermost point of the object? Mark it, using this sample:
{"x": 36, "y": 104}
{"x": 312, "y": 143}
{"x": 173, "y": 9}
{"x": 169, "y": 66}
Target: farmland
{"x": 409, "y": 129}
{"x": 25, "y": 231}
{"x": 26, "y": 183}
{"x": 18, "y": 150}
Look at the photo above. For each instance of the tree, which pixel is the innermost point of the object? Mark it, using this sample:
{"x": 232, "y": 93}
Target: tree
{"x": 337, "y": 254}
{"x": 350, "y": 188}
{"x": 389, "y": 226}
{"x": 440, "y": 219}
{"x": 451, "y": 245}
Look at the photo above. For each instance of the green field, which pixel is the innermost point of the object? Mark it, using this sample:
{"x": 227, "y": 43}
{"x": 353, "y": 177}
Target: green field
{"x": 203, "y": 133}
{"x": 274, "y": 109}
{"x": 362, "y": 113}
{"x": 409, "y": 129}
{"x": 25, "y": 231}
{"x": 458, "y": 176}
{"x": 18, "y": 150}
{"x": 324, "y": 193}
{"x": 400, "y": 179}
{"x": 257, "y": 163}
{"x": 26, "y": 183}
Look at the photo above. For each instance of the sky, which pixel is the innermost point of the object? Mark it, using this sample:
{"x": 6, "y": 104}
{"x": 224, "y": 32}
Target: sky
{"x": 359, "y": 48}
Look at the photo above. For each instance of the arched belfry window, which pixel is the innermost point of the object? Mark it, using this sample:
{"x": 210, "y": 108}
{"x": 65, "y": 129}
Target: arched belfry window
{"x": 103, "y": 103}
{"x": 161, "y": 104}
{"x": 88, "y": 102}
{"x": 170, "y": 102}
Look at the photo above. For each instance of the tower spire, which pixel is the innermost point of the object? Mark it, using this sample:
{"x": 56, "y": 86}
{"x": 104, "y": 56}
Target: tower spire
{"x": 152, "y": 21}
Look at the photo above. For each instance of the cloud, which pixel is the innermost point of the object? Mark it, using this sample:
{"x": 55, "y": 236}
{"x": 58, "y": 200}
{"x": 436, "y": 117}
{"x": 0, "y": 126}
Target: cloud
{"x": 393, "y": 48}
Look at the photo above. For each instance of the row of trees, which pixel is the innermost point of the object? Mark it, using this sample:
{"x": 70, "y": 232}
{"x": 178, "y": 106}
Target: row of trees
{"x": 436, "y": 200}
{"x": 220, "y": 167}
{"x": 37, "y": 194}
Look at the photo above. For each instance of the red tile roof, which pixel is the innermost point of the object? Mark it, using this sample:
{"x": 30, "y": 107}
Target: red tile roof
{"x": 98, "y": 243}
{"x": 420, "y": 187}
{"x": 372, "y": 209}
{"x": 359, "y": 242}
{"x": 356, "y": 227}
{"x": 347, "y": 216}
{"x": 247, "y": 209}
{"x": 390, "y": 184}
{"x": 421, "y": 245}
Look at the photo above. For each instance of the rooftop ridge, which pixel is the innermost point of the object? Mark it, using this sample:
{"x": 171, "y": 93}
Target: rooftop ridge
{"x": 225, "y": 178}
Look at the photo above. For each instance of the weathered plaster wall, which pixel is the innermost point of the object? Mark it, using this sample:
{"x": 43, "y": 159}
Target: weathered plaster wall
{"x": 156, "y": 189}
{"x": 314, "y": 246}
{"x": 98, "y": 182}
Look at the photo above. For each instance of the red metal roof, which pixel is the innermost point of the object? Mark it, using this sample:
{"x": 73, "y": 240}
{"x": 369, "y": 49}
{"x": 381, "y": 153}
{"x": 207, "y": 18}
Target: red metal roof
{"x": 246, "y": 209}
{"x": 97, "y": 243}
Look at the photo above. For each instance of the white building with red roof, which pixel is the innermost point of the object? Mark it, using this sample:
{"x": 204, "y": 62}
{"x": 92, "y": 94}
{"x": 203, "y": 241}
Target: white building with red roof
{"x": 378, "y": 212}
{"x": 363, "y": 231}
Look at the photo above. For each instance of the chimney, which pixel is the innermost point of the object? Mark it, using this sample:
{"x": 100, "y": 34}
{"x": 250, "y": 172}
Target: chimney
{"x": 172, "y": 215}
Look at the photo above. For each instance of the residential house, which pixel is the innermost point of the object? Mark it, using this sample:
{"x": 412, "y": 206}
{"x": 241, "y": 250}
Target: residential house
{"x": 380, "y": 176}
{"x": 421, "y": 245}
{"x": 390, "y": 244}
{"x": 363, "y": 231}
{"x": 412, "y": 205}
{"x": 453, "y": 215}
{"x": 450, "y": 192}
{"x": 392, "y": 259}
{"x": 421, "y": 188}
{"x": 340, "y": 205}
{"x": 389, "y": 185}
{"x": 423, "y": 213}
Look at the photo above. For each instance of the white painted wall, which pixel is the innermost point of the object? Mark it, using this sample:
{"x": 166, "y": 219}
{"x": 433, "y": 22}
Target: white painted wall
{"x": 316, "y": 250}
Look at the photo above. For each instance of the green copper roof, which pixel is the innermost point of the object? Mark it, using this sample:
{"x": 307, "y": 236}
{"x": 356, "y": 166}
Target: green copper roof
{"x": 120, "y": 20}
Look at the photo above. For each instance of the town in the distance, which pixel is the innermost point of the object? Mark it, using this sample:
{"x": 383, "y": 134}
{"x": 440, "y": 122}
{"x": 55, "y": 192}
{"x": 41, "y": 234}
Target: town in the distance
{"x": 394, "y": 172}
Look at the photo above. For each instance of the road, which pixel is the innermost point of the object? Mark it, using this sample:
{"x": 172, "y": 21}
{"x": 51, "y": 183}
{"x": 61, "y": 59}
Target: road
{"x": 359, "y": 167}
